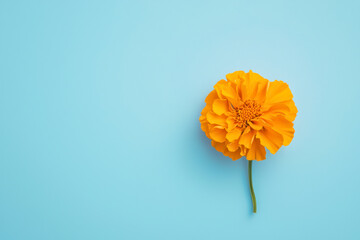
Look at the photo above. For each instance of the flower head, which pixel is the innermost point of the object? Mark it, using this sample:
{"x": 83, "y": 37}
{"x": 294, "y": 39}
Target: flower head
{"x": 246, "y": 113}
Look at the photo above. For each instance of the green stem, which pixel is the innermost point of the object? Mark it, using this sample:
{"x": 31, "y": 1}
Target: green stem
{"x": 251, "y": 187}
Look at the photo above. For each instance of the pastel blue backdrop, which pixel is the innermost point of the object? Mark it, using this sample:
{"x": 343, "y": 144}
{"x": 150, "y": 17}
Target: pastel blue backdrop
{"x": 100, "y": 137}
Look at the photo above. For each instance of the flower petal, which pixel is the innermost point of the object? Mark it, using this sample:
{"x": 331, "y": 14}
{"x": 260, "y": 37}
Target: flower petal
{"x": 211, "y": 97}
{"x": 235, "y": 77}
{"x": 256, "y": 124}
{"x": 276, "y": 108}
{"x": 219, "y": 86}
{"x": 243, "y": 89}
{"x": 233, "y": 135}
{"x": 261, "y": 92}
{"x": 271, "y": 139}
{"x": 233, "y": 155}
{"x": 221, "y": 147}
{"x": 220, "y": 106}
{"x": 255, "y": 83}
{"x": 204, "y": 125}
{"x": 217, "y": 134}
{"x": 243, "y": 150}
{"x": 283, "y": 126}
{"x": 256, "y": 152}
{"x": 230, "y": 123}
{"x": 216, "y": 119}
{"x": 293, "y": 111}
{"x": 278, "y": 92}
{"x": 205, "y": 110}
{"x": 218, "y": 146}
{"x": 232, "y": 146}
{"x": 230, "y": 93}
{"x": 247, "y": 137}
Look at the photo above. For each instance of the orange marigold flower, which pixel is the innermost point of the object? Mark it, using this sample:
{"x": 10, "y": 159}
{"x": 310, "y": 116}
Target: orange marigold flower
{"x": 246, "y": 113}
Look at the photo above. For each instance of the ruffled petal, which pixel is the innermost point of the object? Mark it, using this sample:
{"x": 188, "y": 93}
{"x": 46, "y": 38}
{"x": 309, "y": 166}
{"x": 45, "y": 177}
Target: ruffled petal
{"x": 221, "y": 147}
{"x": 293, "y": 111}
{"x": 204, "y": 125}
{"x": 247, "y": 137}
{"x": 243, "y": 88}
{"x": 211, "y": 97}
{"x": 281, "y": 108}
{"x": 278, "y": 92}
{"x": 217, "y": 134}
{"x": 271, "y": 139}
{"x": 256, "y": 152}
{"x": 230, "y": 124}
{"x": 256, "y": 124}
{"x": 230, "y": 93}
{"x": 243, "y": 150}
{"x": 232, "y": 146}
{"x": 286, "y": 109}
{"x": 283, "y": 126}
{"x": 218, "y": 88}
{"x": 220, "y": 106}
{"x": 233, "y": 155}
{"x": 233, "y": 135}
{"x": 256, "y": 86}
{"x": 236, "y": 77}
{"x": 218, "y": 146}
{"x": 216, "y": 119}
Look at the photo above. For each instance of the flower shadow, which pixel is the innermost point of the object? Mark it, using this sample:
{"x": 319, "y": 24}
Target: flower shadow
{"x": 211, "y": 169}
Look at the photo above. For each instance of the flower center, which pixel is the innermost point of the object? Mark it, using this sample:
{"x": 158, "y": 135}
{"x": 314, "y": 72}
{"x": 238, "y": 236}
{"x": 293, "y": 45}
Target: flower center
{"x": 246, "y": 112}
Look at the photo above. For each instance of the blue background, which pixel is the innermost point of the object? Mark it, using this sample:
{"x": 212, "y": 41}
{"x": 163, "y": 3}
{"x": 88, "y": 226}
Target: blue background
{"x": 100, "y": 137}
